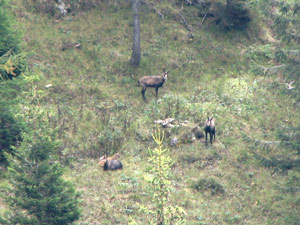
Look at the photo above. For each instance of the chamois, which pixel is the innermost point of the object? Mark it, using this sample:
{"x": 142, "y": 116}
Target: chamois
{"x": 211, "y": 129}
{"x": 153, "y": 82}
{"x": 103, "y": 159}
{"x": 110, "y": 163}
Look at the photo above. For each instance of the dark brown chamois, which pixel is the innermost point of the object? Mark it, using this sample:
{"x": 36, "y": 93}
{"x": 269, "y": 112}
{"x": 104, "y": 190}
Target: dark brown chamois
{"x": 110, "y": 163}
{"x": 210, "y": 128}
{"x": 104, "y": 158}
{"x": 152, "y": 82}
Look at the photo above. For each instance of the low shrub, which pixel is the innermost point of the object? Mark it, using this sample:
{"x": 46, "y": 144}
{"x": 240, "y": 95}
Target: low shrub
{"x": 210, "y": 184}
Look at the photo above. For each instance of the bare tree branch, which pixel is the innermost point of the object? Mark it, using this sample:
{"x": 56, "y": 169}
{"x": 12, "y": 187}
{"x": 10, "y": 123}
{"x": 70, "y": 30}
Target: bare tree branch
{"x": 266, "y": 142}
{"x": 273, "y": 69}
{"x": 187, "y": 25}
{"x": 154, "y": 8}
{"x": 203, "y": 19}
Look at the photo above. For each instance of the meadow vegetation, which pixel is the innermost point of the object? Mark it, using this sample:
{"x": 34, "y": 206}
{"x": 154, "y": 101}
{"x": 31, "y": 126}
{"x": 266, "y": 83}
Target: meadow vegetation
{"x": 90, "y": 96}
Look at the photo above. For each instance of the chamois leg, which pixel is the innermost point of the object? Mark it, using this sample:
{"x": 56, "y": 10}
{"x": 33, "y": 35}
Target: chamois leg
{"x": 211, "y": 136}
{"x": 214, "y": 135}
{"x": 156, "y": 92}
{"x": 206, "y": 137}
{"x": 143, "y": 93}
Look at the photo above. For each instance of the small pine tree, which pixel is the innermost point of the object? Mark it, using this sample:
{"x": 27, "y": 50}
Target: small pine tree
{"x": 162, "y": 211}
{"x": 38, "y": 195}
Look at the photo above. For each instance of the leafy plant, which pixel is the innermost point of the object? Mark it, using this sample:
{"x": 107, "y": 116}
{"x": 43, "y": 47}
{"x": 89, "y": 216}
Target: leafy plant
{"x": 173, "y": 106}
{"x": 110, "y": 140}
{"x": 162, "y": 211}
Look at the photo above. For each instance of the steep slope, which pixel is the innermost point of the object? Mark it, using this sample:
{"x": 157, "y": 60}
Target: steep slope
{"x": 96, "y": 105}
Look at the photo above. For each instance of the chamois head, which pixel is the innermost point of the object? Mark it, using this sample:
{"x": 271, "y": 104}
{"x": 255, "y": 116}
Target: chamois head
{"x": 165, "y": 75}
{"x": 209, "y": 121}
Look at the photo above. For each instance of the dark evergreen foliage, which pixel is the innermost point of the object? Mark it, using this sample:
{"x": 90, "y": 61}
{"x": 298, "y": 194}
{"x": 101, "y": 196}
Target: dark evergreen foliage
{"x": 38, "y": 194}
{"x": 9, "y": 39}
{"x": 233, "y": 15}
{"x": 10, "y": 126}
{"x": 287, "y": 21}
{"x": 10, "y": 131}
{"x": 11, "y": 63}
{"x": 287, "y": 28}
{"x": 288, "y": 144}
{"x": 237, "y": 15}
{"x": 290, "y": 137}
{"x": 284, "y": 20}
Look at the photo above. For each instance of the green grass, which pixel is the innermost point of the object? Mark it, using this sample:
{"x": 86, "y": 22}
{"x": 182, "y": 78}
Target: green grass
{"x": 95, "y": 93}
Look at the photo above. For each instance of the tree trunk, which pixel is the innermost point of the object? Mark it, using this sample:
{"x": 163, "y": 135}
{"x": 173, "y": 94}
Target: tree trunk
{"x": 136, "y": 49}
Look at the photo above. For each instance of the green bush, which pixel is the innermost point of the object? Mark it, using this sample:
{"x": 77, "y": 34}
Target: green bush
{"x": 111, "y": 140}
{"x": 210, "y": 184}
{"x": 173, "y": 106}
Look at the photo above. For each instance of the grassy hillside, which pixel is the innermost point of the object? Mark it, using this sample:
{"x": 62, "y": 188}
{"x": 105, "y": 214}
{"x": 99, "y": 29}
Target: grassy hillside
{"x": 96, "y": 105}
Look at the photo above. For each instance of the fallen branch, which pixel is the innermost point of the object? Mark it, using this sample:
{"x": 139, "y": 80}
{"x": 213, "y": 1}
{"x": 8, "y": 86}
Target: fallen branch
{"x": 154, "y": 8}
{"x": 261, "y": 143}
{"x": 266, "y": 142}
{"x": 187, "y": 25}
{"x": 203, "y": 19}
{"x": 273, "y": 69}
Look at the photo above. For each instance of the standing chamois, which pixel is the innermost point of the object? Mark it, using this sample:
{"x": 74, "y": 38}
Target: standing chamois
{"x": 210, "y": 128}
{"x": 153, "y": 82}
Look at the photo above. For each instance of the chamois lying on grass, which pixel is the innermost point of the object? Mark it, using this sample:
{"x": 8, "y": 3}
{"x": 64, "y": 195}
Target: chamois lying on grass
{"x": 152, "y": 82}
{"x": 210, "y": 128}
{"x": 113, "y": 165}
{"x": 104, "y": 158}
{"x": 110, "y": 163}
